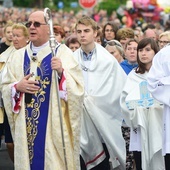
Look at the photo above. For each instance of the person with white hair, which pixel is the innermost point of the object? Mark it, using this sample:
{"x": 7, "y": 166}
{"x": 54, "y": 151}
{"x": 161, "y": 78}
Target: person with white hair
{"x": 116, "y": 49}
{"x": 164, "y": 39}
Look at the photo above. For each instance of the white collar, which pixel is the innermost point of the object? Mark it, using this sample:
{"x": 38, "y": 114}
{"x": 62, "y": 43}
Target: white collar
{"x": 37, "y": 49}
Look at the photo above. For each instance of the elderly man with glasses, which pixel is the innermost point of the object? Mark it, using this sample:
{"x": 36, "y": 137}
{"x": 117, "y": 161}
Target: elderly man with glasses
{"x": 30, "y": 99}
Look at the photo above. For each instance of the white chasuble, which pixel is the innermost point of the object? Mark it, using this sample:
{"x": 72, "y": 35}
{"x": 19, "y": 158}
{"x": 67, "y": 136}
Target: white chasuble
{"x": 71, "y": 111}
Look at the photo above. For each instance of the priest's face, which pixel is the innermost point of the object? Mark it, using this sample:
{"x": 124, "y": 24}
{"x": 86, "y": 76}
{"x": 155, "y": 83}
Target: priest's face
{"x": 85, "y": 34}
{"x": 38, "y": 29}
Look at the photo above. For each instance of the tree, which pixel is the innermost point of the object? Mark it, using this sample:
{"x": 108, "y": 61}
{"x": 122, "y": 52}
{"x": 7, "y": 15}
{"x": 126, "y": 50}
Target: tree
{"x": 111, "y": 5}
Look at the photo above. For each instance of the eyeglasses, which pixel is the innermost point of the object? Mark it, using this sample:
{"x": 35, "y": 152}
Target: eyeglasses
{"x": 35, "y": 24}
{"x": 164, "y": 42}
{"x": 109, "y": 30}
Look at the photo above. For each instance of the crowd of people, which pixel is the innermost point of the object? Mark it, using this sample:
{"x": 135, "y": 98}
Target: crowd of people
{"x": 98, "y": 100}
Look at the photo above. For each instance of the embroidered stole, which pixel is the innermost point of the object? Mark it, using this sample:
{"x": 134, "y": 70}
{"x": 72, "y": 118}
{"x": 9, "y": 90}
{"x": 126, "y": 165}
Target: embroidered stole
{"x": 36, "y": 112}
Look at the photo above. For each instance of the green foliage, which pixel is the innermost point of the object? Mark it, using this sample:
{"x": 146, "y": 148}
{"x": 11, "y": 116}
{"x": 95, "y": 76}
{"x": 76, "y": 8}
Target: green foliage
{"x": 24, "y": 3}
{"x": 111, "y": 5}
{"x": 67, "y": 5}
{"x": 108, "y": 5}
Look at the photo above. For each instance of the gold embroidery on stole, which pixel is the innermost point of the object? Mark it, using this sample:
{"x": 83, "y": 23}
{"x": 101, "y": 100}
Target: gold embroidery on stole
{"x": 32, "y": 120}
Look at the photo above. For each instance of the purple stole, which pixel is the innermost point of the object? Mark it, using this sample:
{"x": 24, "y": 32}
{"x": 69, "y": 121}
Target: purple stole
{"x": 36, "y": 113}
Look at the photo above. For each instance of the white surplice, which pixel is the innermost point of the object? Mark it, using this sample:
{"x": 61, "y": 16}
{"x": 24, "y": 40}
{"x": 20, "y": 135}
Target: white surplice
{"x": 145, "y": 123}
{"x": 159, "y": 85}
{"x": 102, "y": 117}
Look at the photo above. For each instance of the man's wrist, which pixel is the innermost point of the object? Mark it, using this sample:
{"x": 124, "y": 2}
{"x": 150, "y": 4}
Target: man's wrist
{"x": 16, "y": 87}
{"x": 60, "y": 74}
